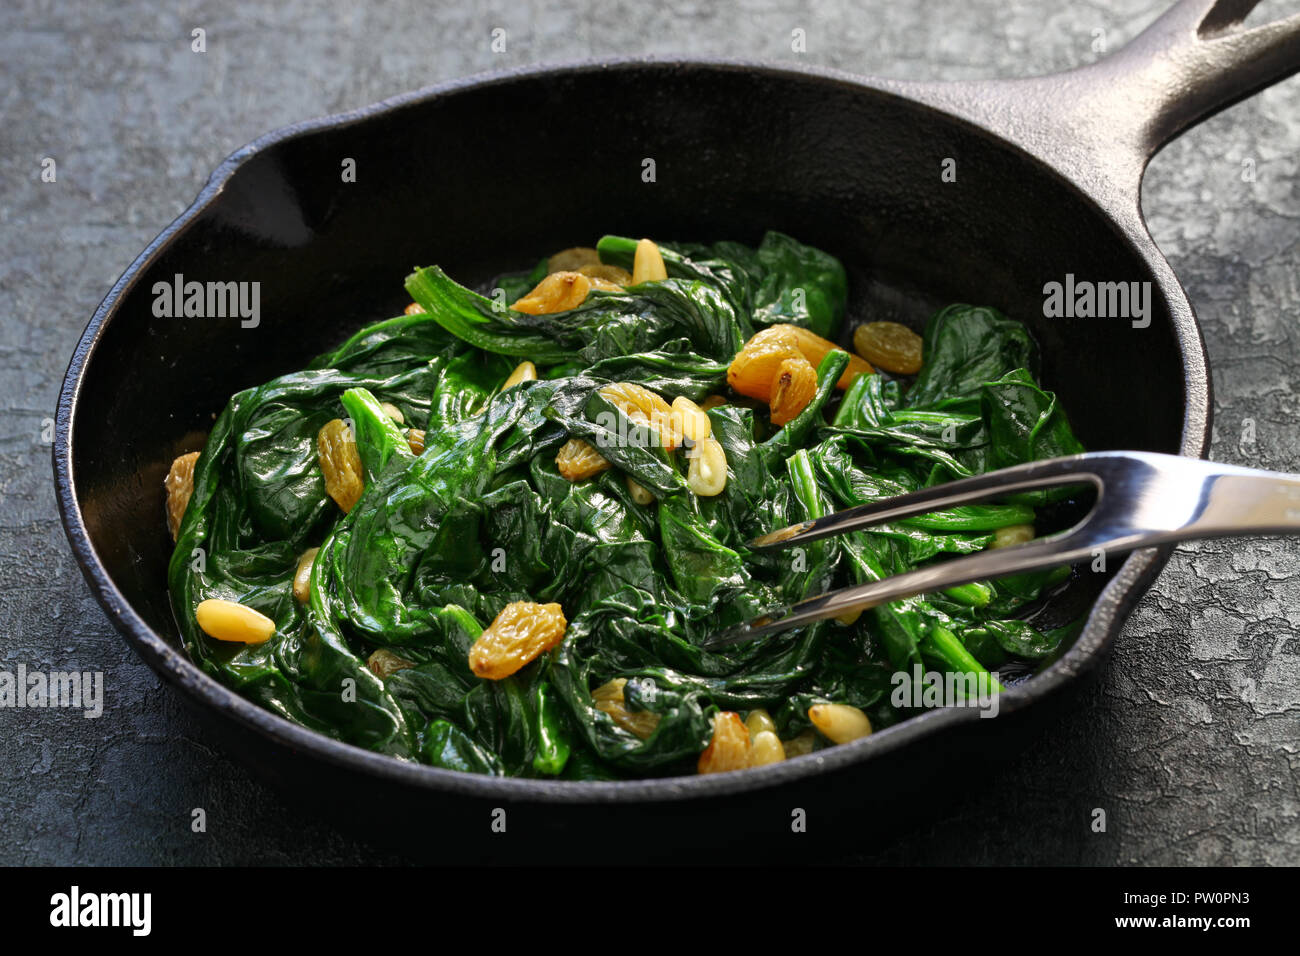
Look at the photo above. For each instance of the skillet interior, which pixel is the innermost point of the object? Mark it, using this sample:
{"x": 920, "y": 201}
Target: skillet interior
{"x": 494, "y": 174}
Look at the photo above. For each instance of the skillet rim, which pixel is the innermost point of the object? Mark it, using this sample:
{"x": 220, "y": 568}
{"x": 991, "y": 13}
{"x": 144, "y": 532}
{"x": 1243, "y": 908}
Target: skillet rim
{"x": 1104, "y": 620}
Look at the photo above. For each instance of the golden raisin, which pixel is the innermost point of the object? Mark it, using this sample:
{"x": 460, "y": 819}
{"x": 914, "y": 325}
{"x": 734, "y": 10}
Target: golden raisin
{"x": 644, "y": 407}
{"x": 578, "y": 460}
{"x": 793, "y": 387}
{"x": 608, "y": 698}
{"x": 730, "y": 747}
{"x": 713, "y": 401}
{"x": 805, "y": 743}
{"x": 521, "y": 632}
{"x": 384, "y": 663}
{"x": 573, "y": 259}
{"x": 754, "y": 365}
{"x": 893, "y": 347}
{"x": 179, "y": 484}
{"x": 415, "y": 438}
{"x": 610, "y": 274}
{"x": 336, "y": 449}
{"x": 815, "y": 348}
{"x": 752, "y": 370}
{"x": 558, "y": 292}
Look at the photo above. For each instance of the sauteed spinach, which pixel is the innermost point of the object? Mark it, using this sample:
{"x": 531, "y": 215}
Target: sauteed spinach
{"x": 354, "y": 528}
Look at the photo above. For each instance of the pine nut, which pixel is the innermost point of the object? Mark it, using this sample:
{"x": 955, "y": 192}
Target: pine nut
{"x": 707, "y": 475}
{"x": 839, "y": 723}
{"x": 758, "y": 721}
{"x": 524, "y": 372}
{"x": 849, "y": 618}
{"x": 393, "y": 412}
{"x": 689, "y": 419}
{"x": 648, "y": 263}
{"x": 1011, "y": 535}
{"x": 640, "y": 493}
{"x": 302, "y": 577}
{"x": 229, "y": 621}
{"x": 766, "y": 749}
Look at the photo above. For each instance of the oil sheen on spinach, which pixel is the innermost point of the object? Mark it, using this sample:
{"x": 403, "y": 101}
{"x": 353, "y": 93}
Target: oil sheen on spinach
{"x": 439, "y": 543}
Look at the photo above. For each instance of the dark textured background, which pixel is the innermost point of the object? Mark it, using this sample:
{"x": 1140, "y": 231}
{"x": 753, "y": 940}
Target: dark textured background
{"x": 1189, "y": 739}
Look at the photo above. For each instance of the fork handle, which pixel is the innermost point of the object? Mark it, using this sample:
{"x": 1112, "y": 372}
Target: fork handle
{"x": 1248, "y": 501}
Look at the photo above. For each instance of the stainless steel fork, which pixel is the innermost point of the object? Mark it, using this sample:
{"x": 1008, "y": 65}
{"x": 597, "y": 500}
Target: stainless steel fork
{"x": 1143, "y": 499}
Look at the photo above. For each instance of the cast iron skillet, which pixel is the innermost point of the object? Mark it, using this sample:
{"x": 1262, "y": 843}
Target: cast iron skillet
{"x": 485, "y": 174}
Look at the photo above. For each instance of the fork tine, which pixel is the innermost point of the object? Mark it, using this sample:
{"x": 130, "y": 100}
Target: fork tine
{"x": 1038, "y": 474}
{"x": 1064, "y": 548}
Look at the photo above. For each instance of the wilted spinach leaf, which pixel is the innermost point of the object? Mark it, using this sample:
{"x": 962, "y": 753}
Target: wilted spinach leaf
{"x": 441, "y": 541}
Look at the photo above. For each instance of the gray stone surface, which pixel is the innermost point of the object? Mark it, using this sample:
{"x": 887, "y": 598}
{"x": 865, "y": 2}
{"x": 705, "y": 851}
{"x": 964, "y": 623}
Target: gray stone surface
{"x": 1189, "y": 741}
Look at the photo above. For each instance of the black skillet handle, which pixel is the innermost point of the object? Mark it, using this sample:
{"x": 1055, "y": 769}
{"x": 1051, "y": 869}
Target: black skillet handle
{"x": 1101, "y": 123}
{"x": 1196, "y": 60}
